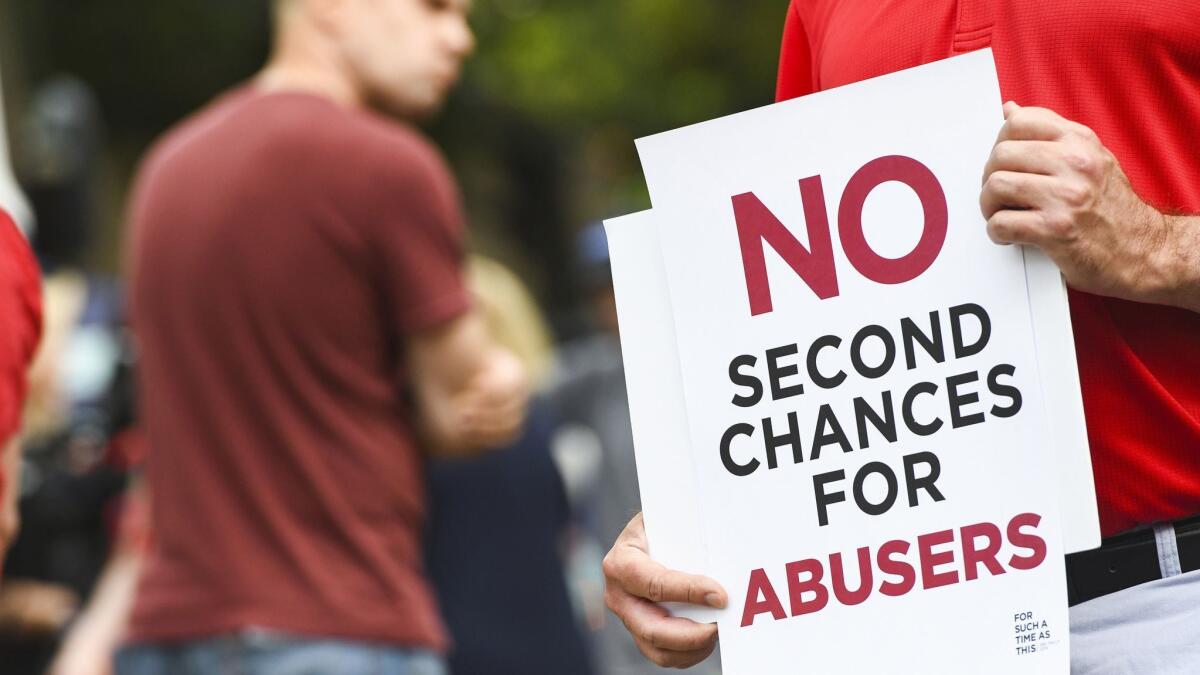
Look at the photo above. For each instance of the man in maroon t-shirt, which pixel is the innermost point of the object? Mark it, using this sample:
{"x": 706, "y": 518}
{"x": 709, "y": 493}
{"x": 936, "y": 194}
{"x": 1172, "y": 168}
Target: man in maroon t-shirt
{"x": 1094, "y": 168}
{"x": 304, "y": 337}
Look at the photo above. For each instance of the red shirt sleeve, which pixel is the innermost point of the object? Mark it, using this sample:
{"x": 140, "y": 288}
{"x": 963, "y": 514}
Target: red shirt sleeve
{"x": 795, "y": 59}
{"x": 420, "y": 238}
{"x": 21, "y": 319}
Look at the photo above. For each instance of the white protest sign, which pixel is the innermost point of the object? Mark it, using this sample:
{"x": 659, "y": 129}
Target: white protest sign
{"x": 1059, "y": 372}
{"x": 670, "y": 501}
{"x": 866, "y": 420}
{"x": 648, "y": 341}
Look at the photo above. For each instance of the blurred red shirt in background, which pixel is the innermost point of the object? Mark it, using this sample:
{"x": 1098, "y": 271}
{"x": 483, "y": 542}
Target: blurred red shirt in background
{"x": 20, "y": 328}
{"x": 283, "y": 249}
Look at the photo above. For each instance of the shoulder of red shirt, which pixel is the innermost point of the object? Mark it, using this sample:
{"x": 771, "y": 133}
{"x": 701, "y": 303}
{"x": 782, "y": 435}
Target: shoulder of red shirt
{"x": 795, "y": 61}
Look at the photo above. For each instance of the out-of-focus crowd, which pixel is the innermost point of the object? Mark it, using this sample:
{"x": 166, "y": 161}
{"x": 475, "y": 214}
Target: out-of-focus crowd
{"x": 513, "y": 530}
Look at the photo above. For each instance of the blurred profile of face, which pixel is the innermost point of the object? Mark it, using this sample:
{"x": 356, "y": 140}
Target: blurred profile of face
{"x": 406, "y": 54}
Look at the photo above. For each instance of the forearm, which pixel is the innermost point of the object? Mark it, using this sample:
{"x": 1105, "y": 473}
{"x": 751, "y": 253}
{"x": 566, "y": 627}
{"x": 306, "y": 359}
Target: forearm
{"x": 108, "y": 612}
{"x": 94, "y": 638}
{"x": 481, "y": 415}
{"x": 470, "y": 391}
{"x": 10, "y": 488}
{"x": 1179, "y": 260}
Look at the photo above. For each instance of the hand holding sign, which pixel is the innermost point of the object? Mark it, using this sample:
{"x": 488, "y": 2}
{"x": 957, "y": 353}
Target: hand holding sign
{"x": 1051, "y": 183}
{"x": 635, "y": 584}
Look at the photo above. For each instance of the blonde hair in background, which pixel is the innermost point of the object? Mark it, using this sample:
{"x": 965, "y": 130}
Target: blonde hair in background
{"x": 512, "y": 316}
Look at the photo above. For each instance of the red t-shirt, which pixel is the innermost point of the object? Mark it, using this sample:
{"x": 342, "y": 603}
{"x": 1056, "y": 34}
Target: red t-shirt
{"x": 282, "y": 249}
{"x": 1130, "y": 70}
{"x": 20, "y": 327}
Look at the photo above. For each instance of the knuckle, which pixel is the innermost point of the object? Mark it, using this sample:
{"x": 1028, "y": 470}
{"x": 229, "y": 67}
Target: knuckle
{"x": 1075, "y": 193}
{"x": 679, "y": 658}
{"x": 617, "y": 567}
{"x": 609, "y": 565}
{"x": 994, "y": 183}
{"x": 656, "y": 588}
{"x": 649, "y": 636}
{"x": 679, "y": 661}
{"x": 661, "y": 659}
{"x": 651, "y": 652}
{"x": 1005, "y": 152}
{"x": 988, "y": 202}
{"x": 1059, "y": 226}
{"x": 997, "y": 157}
{"x": 1080, "y": 160}
{"x": 610, "y": 600}
{"x": 999, "y": 231}
{"x": 614, "y": 596}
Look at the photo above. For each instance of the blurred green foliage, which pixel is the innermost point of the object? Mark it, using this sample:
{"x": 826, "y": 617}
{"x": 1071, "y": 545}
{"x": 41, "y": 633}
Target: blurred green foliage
{"x": 149, "y": 61}
{"x": 651, "y": 64}
{"x": 541, "y": 130}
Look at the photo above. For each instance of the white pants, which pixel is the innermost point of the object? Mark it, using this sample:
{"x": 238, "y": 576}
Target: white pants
{"x": 1151, "y": 629}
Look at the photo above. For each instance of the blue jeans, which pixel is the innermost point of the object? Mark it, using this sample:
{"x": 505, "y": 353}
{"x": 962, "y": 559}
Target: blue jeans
{"x": 264, "y": 652}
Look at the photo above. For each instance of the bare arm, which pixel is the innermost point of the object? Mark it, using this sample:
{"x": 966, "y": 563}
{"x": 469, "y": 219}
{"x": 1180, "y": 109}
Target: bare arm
{"x": 471, "y": 393}
{"x": 92, "y": 642}
{"x": 10, "y": 473}
{"x": 1051, "y": 183}
{"x": 1179, "y": 258}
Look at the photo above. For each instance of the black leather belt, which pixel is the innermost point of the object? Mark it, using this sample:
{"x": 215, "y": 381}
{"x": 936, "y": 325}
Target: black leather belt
{"x": 1127, "y": 560}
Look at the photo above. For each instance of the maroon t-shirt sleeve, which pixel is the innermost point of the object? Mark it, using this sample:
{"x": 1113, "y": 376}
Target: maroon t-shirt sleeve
{"x": 418, "y": 231}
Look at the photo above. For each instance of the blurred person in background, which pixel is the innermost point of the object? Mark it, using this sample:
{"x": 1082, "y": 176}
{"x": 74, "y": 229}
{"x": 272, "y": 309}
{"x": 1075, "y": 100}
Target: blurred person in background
{"x": 20, "y": 330}
{"x": 74, "y": 509}
{"x": 589, "y": 394}
{"x": 95, "y": 633}
{"x": 589, "y": 388}
{"x": 493, "y": 542}
{"x": 305, "y": 338}
{"x": 78, "y": 395}
{"x": 20, "y": 319}
{"x": 497, "y": 522}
